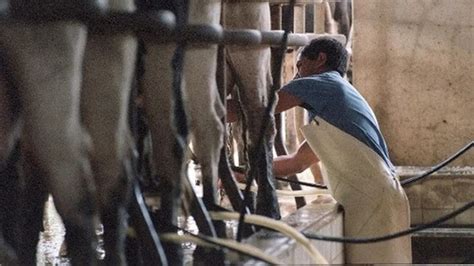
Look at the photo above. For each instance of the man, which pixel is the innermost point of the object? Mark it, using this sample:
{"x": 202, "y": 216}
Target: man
{"x": 344, "y": 135}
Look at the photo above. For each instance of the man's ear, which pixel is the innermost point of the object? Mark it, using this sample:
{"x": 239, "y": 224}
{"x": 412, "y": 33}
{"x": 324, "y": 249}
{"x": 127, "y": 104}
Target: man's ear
{"x": 322, "y": 58}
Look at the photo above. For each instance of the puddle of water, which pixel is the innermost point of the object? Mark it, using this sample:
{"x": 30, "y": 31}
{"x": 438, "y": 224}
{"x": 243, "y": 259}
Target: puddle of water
{"x": 51, "y": 250}
{"x": 189, "y": 224}
{"x": 49, "y": 245}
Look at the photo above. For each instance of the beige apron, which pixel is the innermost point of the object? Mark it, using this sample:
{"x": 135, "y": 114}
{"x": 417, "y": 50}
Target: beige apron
{"x": 374, "y": 202}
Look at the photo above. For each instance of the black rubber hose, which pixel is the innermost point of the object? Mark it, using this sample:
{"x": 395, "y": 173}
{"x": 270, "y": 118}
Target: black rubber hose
{"x": 352, "y": 240}
{"x": 301, "y": 183}
{"x": 411, "y": 180}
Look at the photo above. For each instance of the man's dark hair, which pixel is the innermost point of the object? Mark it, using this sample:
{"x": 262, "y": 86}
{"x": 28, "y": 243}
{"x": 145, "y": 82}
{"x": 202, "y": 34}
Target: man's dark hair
{"x": 336, "y": 54}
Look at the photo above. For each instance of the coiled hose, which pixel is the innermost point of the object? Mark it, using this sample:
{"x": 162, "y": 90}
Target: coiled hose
{"x": 275, "y": 225}
{"x": 201, "y": 240}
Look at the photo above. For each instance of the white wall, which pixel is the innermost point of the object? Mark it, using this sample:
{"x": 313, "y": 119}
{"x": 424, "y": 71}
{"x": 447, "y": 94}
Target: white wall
{"x": 413, "y": 62}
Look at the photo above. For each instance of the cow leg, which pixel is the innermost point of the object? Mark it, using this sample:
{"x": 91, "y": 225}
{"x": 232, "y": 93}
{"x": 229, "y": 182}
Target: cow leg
{"x": 32, "y": 200}
{"x": 254, "y": 96}
{"x": 21, "y": 210}
{"x": 342, "y": 15}
{"x": 158, "y": 91}
{"x": 9, "y": 112}
{"x": 9, "y": 185}
{"x": 7, "y": 255}
{"x": 205, "y": 110}
{"x": 46, "y": 61}
{"x": 253, "y": 67}
{"x": 108, "y": 71}
{"x": 260, "y": 155}
{"x": 10, "y": 192}
{"x": 330, "y": 25}
{"x": 203, "y": 101}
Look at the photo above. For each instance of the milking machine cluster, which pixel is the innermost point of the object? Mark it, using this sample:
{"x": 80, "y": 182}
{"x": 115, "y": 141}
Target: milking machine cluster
{"x": 160, "y": 26}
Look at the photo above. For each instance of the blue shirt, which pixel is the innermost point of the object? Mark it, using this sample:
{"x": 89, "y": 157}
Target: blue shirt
{"x": 334, "y": 99}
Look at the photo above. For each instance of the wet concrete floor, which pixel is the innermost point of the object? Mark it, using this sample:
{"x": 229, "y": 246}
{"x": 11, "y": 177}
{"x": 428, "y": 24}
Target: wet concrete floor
{"x": 51, "y": 252}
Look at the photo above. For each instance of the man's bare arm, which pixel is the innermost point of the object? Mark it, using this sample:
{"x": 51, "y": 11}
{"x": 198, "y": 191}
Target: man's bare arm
{"x": 286, "y": 101}
{"x": 296, "y": 162}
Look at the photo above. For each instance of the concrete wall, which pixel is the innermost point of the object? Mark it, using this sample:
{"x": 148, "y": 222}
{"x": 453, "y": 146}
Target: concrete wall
{"x": 447, "y": 190}
{"x": 413, "y": 61}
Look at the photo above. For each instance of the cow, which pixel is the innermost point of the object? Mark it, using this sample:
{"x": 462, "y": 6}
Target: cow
{"x": 73, "y": 87}
{"x": 108, "y": 71}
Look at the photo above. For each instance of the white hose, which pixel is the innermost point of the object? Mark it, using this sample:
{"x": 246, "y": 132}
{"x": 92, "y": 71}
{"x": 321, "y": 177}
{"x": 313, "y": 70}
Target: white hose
{"x": 306, "y": 192}
{"x": 275, "y": 225}
{"x": 231, "y": 244}
{"x": 290, "y": 193}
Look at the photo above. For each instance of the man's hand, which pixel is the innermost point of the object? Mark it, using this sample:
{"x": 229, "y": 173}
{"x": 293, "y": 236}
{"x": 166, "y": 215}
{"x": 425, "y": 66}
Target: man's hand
{"x": 240, "y": 177}
{"x": 232, "y": 110}
{"x": 239, "y": 173}
{"x": 296, "y": 162}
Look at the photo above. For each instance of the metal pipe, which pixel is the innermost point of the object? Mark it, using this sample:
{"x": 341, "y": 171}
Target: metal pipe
{"x": 274, "y": 37}
{"x": 160, "y": 27}
{"x": 242, "y": 37}
{"x": 279, "y": 1}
